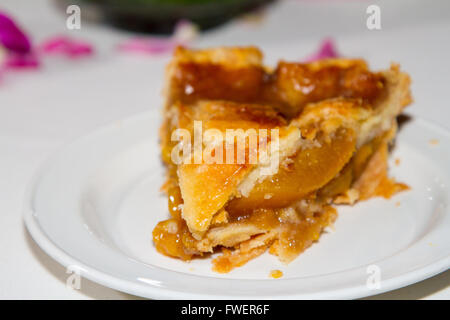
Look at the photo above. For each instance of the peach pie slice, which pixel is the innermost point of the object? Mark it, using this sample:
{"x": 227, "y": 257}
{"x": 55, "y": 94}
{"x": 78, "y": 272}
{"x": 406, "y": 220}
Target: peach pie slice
{"x": 320, "y": 131}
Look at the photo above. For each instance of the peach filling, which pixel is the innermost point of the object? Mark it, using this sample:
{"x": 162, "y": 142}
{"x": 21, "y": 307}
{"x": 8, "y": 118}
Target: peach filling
{"x": 308, "y": 170}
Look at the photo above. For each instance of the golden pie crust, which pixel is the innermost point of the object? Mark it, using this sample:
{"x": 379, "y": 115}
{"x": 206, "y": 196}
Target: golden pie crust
{"x": 335, "y": 119}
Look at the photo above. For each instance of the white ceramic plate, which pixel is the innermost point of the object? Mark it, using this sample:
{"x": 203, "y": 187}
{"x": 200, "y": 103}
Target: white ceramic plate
{"x": 94, "y": 204}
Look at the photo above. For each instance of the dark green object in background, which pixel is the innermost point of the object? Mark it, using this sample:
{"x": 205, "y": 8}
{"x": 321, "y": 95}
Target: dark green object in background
{"x": 160, "y": 16}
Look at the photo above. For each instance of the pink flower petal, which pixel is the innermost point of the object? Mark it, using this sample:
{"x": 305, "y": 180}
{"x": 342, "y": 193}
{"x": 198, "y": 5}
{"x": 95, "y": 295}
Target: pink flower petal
{"x": 62, "y": 45}
{"x": 16, "y": 60}
{"x": 2, "y": 59}
{"x": 326, "y": 50}
{"x": 17, "y": 46}
{"x": 11, "y": 37}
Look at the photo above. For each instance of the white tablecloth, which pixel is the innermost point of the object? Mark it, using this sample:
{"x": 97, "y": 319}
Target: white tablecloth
{"x": 42, "y": 110}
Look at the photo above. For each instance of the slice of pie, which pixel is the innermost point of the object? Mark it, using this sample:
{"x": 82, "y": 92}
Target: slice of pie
{"x": 320, "y": 131}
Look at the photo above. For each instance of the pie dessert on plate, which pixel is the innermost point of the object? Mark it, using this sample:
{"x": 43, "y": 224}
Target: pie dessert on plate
{"x": 334, "y": 121}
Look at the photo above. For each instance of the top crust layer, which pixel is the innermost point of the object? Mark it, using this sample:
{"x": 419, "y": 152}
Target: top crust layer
{"x": 237, "y": 74}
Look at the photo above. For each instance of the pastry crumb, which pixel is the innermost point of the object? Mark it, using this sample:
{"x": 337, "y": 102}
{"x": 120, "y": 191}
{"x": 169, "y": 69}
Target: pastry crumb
{"x": 397, "y": 204}
{"x": 276, "y": 274}
{"x": 434, "y": 142}
{"x": 397, "y": 161}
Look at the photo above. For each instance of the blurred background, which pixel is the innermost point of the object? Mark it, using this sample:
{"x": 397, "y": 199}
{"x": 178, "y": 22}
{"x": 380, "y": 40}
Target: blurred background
{"x": 161, "y": 16}
{"x": 75, "y": 65}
